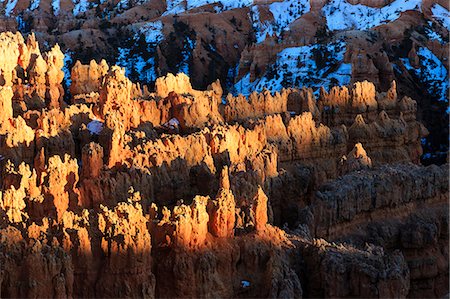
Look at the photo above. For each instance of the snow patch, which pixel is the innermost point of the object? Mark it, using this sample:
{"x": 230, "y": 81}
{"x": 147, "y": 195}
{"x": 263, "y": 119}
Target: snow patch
{"x": 442, "y": 15}
{"x": 56, "y": 5}
{"x": 20, "y": 24}
{"x": 127, "y": 4}
{"x": 342, "y": 15}
{"x": 311, "y": 66}
{"x": 245, "y": 284}
{"x": 179, "y": 6}
{"x": 152, "y": 31}
{"x": 284, "y": 13}
{"x": 144, "y": 69}
{"x": 122, "y": 60}
{"x": 173, "y": 124}
{"x": 66, "y": 68}
{"x": 174, "y": 7}
{"x": 433, "y": 35}
{"x": 188, "y": 46}
{"x": 10, "y": 5}
{"x": 171, "y": 4}
{"x": 432, "y": 73}
{"x": 226, "y": 4}
{"x": 34, "y": 4}
{"x": 95, "y": 127}
{"x": 288, "y": 11}
{"x": 80, "y": 6}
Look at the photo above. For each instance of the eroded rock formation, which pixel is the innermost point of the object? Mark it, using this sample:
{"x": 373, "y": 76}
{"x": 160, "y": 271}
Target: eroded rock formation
{"x": 123, "y": 192}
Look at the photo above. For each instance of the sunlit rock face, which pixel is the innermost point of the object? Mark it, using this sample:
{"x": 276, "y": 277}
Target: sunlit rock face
{"x": 249, "y": 45}
{"x": 112, "y": 188}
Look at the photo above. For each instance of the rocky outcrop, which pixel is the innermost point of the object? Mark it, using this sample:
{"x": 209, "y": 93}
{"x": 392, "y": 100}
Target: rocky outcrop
{"x": 115, "y": 100}
{"x": 126, "y": 245}
{"x": 357, "y": 159}
{"x": 376, "y": 194}
{"x": 222, "y": 209}
{"x": 256, "y": 106}
{"x": 176, "y": 193}
{"x": 87, "y": 78}
{"x": 342, "y": 271}
{"x": 391, "y": 224}
{"x": 54, "y": 77}
{"x": 46, "y": 266}
{"x": 6, "y": 95}
{"x": 59, "y": 181}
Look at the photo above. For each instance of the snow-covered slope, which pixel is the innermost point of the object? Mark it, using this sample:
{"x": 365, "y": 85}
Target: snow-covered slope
{"x": 311, "y": 66}
{"x": 433, "y": 35}
{"x": 342, "y": 15}
{"x": 56, "y": 6}
{"x": 442, "y": 15}
{"x": 284, "y": 13}
{"x": 432, "y": 73}
{"x": 80, "y": 6}
{"x": 179, "y": 6}
{"x": 140, "y": 62}
{"x": 9, "y": 6}
{"x": 34, "y": 4}
{"x": 152, "y": 31}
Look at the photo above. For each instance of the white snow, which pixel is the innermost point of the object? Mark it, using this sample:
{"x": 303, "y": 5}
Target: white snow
{"x": 126, "y": 4}
{"x": 80, "y": 6}
{"x": 171, "y": 4}
{"x": 152, "y": 31}
{"x": 433, "y": 35}
{"x": 34, "y": 4}
{"x": 10, "y": 5}
{"x": 261, "y": 29}
{"x": 123, "y": 60}
{"x": 431, "y": 72}
{"x": 178, "y": 6}
{"x": 172, "y": 124}
{"x": 20, "y": 23}
{"x": 245, "y": 284}
{"x": 145, "y": 68}
{"x": 284, "y": 13}
{"x": 288, "y": 11}
{"x": 95, "y": 127}
{"x": 296, "y": 67}
{"x": 67, "y": 62}
{"x": 434, "y": 73}
{"x": 174, "y": 7}
{"x": 442, "y": 15}
{"x": 176, "y": 10}
{"x": 188, "y": 46}
{"x": 123, "y": 4}
{"x": 342, "y": 15}
{"x": 142, "y": 64}
{"x": 56, "y": 5}
{"x": 139, "y": 63}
